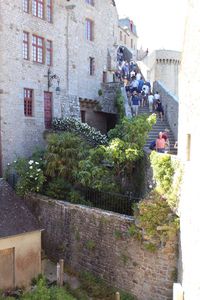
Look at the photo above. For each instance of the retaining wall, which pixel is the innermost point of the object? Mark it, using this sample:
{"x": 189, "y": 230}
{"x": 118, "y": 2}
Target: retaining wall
{"x": 170, "y": 105}
{"x": 98, "y": 241}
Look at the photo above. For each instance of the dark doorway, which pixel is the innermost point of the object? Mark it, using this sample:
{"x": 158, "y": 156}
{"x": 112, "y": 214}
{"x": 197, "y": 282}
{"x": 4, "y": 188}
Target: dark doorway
{"x": 104, "y": 77}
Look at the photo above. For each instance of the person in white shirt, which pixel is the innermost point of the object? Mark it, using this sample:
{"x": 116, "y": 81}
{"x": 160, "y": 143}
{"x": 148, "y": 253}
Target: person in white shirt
{"x": 150, "y": 101}
{"x": 156, "y": 98}
{"x": 145, "y": 89}
{"x": 134, "y": 85}
{"x": 138, "y": 76}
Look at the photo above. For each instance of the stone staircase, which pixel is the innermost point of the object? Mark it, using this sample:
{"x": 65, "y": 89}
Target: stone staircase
{"x": 159, "y": 126}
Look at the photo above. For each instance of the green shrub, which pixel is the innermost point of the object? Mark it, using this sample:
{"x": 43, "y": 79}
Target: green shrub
{"x": 31, "y": 175}
{"x": 167, "y": 173}
{"x": 134, "y": 131}
{"x": 94, "y": 171}
{"x": 163, "y": 171}
{"x": 119, "y": 102}
{"x": 64, "y": 151}
{"x": 58, "y": 188}
{"x": 100, "y": 93}
{"x": 76, "y": 198}
{"x": 42, "y": 292}
{"x": 155, "y": 221}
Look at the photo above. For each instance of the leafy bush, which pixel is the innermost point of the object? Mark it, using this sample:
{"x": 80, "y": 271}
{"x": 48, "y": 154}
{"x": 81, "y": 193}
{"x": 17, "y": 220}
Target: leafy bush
{"x": 97, "y": 289}
{"x": 155, "y": 221}
{"x": 163, "y": 171}
{"x": 42, "y": 292}
{"x": 94, "y": 172}
{"x": 134, "y": 130}
{"x": 58, "y": 188}
{"x": 119, "y": 102}
{"x": 31, "y": 175}
{"x": 100, "y": 93}
{"x": 76, "y": 198}
{"x": 64, "y": 151}
{"x": 167, "y": 173}
{"x": 90, "y": 134}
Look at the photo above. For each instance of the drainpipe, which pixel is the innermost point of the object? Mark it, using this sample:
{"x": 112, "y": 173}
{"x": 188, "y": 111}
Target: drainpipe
{"x": 68, "y": 8}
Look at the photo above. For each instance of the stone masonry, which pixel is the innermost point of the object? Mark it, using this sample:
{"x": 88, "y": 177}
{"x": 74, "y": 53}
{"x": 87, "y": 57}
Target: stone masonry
{"x": 98, "y": 241}
{"x": 71, "y": 56}
{"x": 189, "y": 133}
{"x": 170, "y": 105}
{"x": 164, "y": 65}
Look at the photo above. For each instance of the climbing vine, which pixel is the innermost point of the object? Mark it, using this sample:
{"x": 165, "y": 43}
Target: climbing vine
{"x": 156, "y": 220}
{"x": 167, "y": 172}
{"x": 119, "y": 102}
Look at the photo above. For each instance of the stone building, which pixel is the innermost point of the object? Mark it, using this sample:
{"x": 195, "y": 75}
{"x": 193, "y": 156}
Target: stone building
{"x": 20, "y": 241}
{"x": 189, "y": 133}
{"x": 127, "y": 38}
{"x": 163, "y": 65}
{"x": 49, "y": 46}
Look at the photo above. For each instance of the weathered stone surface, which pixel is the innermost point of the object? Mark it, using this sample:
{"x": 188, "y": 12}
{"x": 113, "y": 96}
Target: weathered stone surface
{"x": 188, "y": 151}
{"x": 108, "y": 100}
{"x": 164, "y": 65}
{"x": 170, "y": 104}
{"x": 97, "y": 241}
{"x": 71, "y": 57}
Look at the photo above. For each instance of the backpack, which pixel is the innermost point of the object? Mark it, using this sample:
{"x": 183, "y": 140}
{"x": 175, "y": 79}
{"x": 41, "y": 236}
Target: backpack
{"x": 152, "y": 145}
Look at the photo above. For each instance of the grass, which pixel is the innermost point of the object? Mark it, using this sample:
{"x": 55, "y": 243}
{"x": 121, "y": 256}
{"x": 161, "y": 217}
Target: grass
{"x": 96, "y": 288}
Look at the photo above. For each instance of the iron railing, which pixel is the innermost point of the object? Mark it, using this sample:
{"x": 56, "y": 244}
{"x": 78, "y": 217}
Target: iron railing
{"x": 114, "y": 202}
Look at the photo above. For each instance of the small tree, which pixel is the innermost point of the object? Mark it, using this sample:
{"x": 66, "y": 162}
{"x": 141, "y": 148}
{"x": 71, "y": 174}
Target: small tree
{"x": 64, "y": 151}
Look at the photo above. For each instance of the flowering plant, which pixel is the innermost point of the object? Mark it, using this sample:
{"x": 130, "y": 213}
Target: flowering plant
{"x": 90, "y": 134}
{"x": 31, "y": 176}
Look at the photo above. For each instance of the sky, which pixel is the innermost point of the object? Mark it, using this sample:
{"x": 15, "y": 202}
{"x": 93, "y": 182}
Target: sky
{"x": 160, "y": 23}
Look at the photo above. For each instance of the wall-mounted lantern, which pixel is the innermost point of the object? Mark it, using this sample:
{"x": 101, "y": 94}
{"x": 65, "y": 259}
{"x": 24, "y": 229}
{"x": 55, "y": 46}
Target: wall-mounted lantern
{"x": 51, "y": 77}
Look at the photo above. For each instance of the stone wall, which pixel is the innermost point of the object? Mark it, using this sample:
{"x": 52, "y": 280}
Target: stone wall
{"x": 71, "y": 56}
{"x": 170, "y": 105}
{"x": 108, "y": 100}
{"x": 97, "y": 241}
{"x": 164, "y": 65}
{"x": 189, "y": 133}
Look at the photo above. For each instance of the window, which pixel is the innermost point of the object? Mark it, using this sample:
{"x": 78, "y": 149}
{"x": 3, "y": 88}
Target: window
{"x": 91, "y": 2}
{"x": 28, "y": 102}
{"x": 26, "y": 6}
{"x": 82, "y": 116}
{"x": 38, "y": 49}
{"x": 131, "y": 26}
{"x": 120, "y": 36}
{"x": 38, "y": 8}
{"x": 89, "y": 30}
{"x": 49, "y": 53}
{"x": 25, "y": 45}
{"x": 49, "y": 11}
{"x": 92, "y": 66}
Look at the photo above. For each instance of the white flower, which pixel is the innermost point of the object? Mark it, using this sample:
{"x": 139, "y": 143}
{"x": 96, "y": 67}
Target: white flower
{"x": 31, "y": 176}
{"x": 15, "y": 161}
{"x": 38, "y": 170}
{"x": 36, "y": 163}
{"x": 8, "y": 164}
{"x": 31, "y": 162}
{"x": 30, "y": 167}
